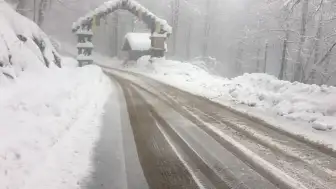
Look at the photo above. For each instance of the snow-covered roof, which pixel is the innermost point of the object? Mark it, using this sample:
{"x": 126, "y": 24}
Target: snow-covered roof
{"x": 139, "y": 41}
{"x": 132, "y": 6}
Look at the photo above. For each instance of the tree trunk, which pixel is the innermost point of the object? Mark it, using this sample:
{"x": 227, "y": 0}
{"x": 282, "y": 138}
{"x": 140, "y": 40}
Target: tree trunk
{"x": 106, "y": 36}
{"x": 116, "y": 34}
{"x": 298, "y": 71}
{"x": 110, "y": 35}
{"x": 258, "y": 58}
{"x": 41, "y": 12}
{"x": 284, "y": 56}
{"x": 21, "y": 7}
{"x": 175, "y": 20}
{"x": 206, "y": 30}
{"x": 188, "y": 40}
{"x": 325, "y": 78}
{"x": 239, "y": 58}
{"x": 265, "y": 57}
{"x": 317, "y": 49}
{"x": 34, "y": 11}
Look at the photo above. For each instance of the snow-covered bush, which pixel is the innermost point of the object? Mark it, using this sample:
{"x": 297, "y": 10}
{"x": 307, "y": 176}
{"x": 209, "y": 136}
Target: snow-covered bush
{"x": 23, "y": 45}
{"x": 56, "y": 44}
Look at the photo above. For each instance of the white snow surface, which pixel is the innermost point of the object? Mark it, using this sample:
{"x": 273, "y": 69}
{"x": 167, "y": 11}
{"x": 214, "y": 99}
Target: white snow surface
{"x": 139, "y": 41}
{"x": 84, "y": 57}
{"x": 49, "y": 125}
{"x": 17, "y": 55}
{"x": 305, "y": 110}
{"x": 85, "y": 45}
{"x": 69, "y": 62}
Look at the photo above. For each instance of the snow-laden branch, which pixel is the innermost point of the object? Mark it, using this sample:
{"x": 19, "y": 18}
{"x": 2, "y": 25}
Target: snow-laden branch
{"x": 326, "y": 55}
{"x": 291, "y": 4}
{"x": 319, "y": 6}
{"x": 286, "y": 4}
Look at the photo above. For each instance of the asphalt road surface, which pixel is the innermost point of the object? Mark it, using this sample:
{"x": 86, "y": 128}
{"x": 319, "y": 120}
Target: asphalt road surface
{"x": 186, "y": 141}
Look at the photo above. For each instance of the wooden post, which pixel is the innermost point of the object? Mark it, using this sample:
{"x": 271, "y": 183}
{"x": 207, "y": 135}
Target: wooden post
{"x": 84, "y": 46}
{"x": 158, "y": 42}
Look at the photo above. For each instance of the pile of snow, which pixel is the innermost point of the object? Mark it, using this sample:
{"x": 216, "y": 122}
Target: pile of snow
{"x": 211, "y": 65}
{"x": 138, "y": 41}
{"x": 69, "y": 62}
{"x": 49, "y": 125}
{"x": 295, "y": 101}
{"x": 23, "y": 45}
{"x": 311, "y": 103}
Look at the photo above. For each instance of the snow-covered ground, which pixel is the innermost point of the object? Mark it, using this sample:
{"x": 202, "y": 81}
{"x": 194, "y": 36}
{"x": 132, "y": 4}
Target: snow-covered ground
{"x": 49, "y": 125}
{"x": 50, "y": 110}
{"x": 306, "y": 110}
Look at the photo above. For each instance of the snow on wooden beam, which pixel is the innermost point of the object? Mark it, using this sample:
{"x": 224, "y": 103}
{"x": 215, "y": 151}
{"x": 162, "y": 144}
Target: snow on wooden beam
{"x": 84, "y": 32}
{"x": 82, "y": 57}
{"x": 87, "y": 44}
{"x": 132, "y": 6}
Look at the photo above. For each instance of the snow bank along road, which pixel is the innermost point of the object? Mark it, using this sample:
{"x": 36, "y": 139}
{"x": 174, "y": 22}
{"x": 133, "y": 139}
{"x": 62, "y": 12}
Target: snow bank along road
{"x": 186, "y": 141}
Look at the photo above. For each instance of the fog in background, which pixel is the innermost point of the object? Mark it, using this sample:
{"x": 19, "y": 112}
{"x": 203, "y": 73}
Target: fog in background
{"x": 291, "y": 39}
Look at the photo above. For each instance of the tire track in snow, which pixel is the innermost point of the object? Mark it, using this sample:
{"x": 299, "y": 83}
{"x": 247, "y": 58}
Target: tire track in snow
{"x": 315, "y": 172}
{"x": 271, "y": 173}
{"x": 161, "y": 166}
{"x": 227, "y": 167}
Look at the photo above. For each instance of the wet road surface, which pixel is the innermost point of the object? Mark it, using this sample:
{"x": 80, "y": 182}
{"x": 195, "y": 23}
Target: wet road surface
{"x": 186, "y": 141}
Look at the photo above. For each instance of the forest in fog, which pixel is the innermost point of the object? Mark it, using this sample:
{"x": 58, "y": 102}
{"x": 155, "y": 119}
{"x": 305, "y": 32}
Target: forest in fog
{"x": 292, "y": 39}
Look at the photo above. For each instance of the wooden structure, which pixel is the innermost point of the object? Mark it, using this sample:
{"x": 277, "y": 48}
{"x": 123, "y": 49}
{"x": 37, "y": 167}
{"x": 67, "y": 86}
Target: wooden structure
{"x": 84, "y": 47}
{"x": 159, "y": 28}
{"x": 137, "y": 45}
{"x": 158, "y": 45}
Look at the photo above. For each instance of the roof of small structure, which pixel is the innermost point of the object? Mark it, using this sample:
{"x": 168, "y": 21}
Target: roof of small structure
{"x": 138, "y": 41}
{"x": 132, "y": 6}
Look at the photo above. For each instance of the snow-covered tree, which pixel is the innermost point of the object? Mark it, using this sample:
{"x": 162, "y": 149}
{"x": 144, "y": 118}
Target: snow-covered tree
{"x": 23, "y": 45}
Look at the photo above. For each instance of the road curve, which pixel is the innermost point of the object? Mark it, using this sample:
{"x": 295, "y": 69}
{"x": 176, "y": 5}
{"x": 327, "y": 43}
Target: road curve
{"x": 186, "y": 141}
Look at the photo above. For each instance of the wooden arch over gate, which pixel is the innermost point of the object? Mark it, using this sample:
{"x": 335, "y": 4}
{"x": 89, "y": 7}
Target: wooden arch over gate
{"x": 83, "y": 27}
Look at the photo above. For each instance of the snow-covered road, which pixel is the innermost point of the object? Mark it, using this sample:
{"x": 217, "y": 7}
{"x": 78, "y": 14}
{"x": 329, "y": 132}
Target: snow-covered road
{"x": 186, "y": 141}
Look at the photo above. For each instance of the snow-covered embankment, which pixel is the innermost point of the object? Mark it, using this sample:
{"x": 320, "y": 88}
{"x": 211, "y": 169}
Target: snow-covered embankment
{"x": 49, "y": 126}
{"x": 50, "y": 111}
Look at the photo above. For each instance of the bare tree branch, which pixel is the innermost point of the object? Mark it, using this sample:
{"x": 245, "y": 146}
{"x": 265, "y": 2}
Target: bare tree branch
{"x": 327, "y": 54}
